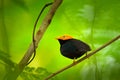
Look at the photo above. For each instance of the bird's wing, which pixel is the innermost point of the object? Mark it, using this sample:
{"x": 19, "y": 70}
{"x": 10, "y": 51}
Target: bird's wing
{"x": 81, "y": 46}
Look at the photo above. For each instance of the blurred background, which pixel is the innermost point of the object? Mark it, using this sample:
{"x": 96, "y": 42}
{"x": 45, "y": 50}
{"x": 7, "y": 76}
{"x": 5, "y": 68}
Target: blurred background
{"x": 92, "y": 21}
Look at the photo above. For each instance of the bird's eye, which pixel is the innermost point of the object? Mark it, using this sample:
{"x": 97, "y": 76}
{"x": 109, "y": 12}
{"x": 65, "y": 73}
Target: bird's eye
{"x": 63, "y": 36}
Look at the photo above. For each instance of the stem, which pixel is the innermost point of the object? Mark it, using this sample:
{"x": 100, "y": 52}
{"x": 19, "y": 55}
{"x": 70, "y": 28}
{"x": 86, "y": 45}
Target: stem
{"x": 83, "y": 58}
{"x": 45, "y": 23}
{"x": 33, "y": 35}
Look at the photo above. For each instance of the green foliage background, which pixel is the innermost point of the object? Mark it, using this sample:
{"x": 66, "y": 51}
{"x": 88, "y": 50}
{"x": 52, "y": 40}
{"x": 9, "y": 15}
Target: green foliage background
{"x": 93, "y": 21}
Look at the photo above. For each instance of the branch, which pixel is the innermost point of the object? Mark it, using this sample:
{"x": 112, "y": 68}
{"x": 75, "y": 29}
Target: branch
{"x": 46, "y": 22}
{"x": 83, "y": 58}
{"x": 40, "y": 33}
{"x": 33, "y": 36}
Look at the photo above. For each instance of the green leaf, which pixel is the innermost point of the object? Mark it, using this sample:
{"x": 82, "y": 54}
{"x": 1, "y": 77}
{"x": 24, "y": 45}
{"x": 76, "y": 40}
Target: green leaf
{"x": 21, "y": 3}
{"x": 31, "y": 73}
{"x": 6, "y": 59}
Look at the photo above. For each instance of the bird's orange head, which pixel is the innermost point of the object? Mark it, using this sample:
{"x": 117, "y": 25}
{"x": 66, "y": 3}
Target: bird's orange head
{"x": 64, "y": 37}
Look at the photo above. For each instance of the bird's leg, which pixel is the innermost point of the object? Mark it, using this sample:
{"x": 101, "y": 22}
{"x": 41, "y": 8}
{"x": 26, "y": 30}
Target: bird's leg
{"x": 86, "y": 55}
{"x": 74, "y": 60}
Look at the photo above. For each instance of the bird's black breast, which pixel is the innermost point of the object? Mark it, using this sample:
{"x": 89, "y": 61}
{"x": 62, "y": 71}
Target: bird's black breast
{"x": 73, "y": 48}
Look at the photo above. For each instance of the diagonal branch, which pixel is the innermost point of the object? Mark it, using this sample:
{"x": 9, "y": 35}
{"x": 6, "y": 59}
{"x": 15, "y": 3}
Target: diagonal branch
{"x": 83, "y": 58}
{"x": 33, "y": 36}
{"x": 40, "y": 32}
{"x": 45, "y": 23}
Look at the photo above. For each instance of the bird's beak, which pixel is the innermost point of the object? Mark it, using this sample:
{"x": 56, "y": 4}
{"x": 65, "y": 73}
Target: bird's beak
{"x": 59, "y": 37}
{"x": 56, "y": 38}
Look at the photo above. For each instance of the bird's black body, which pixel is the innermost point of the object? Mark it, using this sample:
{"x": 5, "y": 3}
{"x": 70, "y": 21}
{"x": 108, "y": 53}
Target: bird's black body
{"x": 73, "y": 48}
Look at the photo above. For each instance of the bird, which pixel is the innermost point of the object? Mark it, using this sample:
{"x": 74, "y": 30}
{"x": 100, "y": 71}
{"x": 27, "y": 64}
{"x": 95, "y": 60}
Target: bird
{"x": 72, "y": 48}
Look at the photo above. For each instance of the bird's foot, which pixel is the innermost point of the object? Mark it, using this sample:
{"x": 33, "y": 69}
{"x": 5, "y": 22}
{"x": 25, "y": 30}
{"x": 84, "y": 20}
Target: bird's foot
{"x": 74, "y": 60}
{"x": 87, "y": 56}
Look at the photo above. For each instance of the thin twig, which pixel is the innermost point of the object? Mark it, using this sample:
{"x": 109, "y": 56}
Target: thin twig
{"x": 44, "y": 25}
{"x": 83, "y": 58}
{"x": 33, "y": 35}
{"x": 40, "y": 32}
